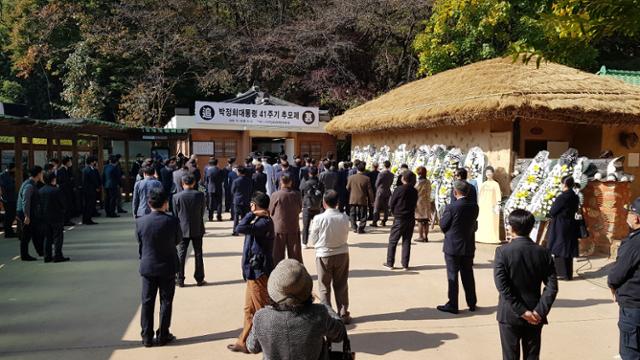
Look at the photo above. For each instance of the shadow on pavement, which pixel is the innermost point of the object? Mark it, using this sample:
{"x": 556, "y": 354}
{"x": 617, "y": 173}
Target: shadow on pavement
{"x": 572, "y": 303}
{"x": 382, "y": 343}
{"x": 423, "y": 314}
{"x": 221, "y": 254}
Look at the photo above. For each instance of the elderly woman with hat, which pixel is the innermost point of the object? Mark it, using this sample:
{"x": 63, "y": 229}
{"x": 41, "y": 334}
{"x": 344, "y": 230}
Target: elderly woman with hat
{"x": 293, "y": 327}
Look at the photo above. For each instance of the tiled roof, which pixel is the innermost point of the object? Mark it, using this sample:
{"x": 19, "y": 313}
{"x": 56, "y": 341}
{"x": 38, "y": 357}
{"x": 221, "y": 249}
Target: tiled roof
{"x": 628, "y": 76}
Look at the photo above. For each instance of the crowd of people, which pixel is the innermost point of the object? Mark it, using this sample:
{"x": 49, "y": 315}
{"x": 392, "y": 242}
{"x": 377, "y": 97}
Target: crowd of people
{"x": 172, "y": 199}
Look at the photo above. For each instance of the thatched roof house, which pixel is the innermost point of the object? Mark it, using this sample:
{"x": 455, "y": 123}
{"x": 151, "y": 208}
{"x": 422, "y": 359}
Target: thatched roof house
{"x": 508, "y": 108}
{"x": 497, "y": 89}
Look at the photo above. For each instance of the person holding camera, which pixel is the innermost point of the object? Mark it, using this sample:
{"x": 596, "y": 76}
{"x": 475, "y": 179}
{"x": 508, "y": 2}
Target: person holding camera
{"x": 257, "y": 262}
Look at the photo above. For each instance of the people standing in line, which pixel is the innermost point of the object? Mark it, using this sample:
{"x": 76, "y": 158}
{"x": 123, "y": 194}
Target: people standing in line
{"x": 360, "y": 197}
{"x": 90, "y": 189}
{"x": 329, "y": 177}
{"x": 8, "y": 199}
{"x": 269, "y": 170}
{"x": 140, "y": 204}
{"x": 214, "y": 182}
{"x": 341, "y": 186}
{"x": 423, "y": 208}
{"x": 241, "y": 189}
{"x": 624, "y": 282}
{"x": 188, "y": 207}
{"x": 293, "y": 327}
{"x": 257, "y": 263}
{"x": 27, "y": 214}
{"x": 403, "y": 206}
{"x": 52, "y": 213}
{"x": 64, "y": 179}
{"x": 383, "y": 194}
{"x": 158, "y": 233}
{"x": 111, "y": 179}
{"x": 520, "y": 269}
{"x": 459, "y": 224}
{"x": 166, "y": 178}
{"x": 259, "y": 179}
{"x": 563, "y": 230}
{"x": 329, "y": 234}
{"x": 285, "y": 208}
{"x": 230, "y": 176}
{"x": 461, "y": 174}
{"x": 312, "y": 191}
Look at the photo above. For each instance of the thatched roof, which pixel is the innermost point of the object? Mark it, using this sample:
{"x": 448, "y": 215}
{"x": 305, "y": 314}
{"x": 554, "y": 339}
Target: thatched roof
{"x": 497, "y": 89}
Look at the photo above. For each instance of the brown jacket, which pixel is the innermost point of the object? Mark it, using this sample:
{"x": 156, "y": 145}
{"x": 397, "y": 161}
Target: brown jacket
{"x": 361, "y": 192}
{"x": 285, "y": 207}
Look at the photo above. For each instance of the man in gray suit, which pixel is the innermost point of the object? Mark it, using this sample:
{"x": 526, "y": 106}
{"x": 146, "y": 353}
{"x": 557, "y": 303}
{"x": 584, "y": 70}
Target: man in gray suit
{"x": 188, "y": 207}
{"x": 383, "y": 193}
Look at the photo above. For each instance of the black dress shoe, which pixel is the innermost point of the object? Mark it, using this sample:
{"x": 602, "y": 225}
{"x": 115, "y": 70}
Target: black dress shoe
{"x": 166, "y": 339}
{"x": 374, "y": 225}
{"x": 447, "y": 308}
{"x": 61, "y": 259}
{"x": 28, "y": 258}
{"x": 384, "y": 224}
{"x": 473, "y": 308}
{"x": 235, "y": 234}
{"x": 48, "y": 259}
{"x": 147, "y": 343}
{"x": 201, "y": 283}
{"x": 180, "y": 284}
{"x": 219, "y": 218}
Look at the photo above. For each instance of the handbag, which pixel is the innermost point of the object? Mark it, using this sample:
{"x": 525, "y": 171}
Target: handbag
{"x": 583, "y": 231}
{"x": 345, "y": 354}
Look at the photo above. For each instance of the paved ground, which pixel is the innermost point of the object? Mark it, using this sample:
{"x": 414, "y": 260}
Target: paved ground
{"x": 89, "y": 308}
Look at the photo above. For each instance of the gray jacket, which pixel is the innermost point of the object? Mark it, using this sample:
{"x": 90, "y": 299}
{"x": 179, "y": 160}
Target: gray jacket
{"x": 288, "y": 335}
{"x": 188, "y": 207}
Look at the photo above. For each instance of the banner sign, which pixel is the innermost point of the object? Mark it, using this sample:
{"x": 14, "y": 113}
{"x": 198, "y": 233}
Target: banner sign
{"x": 221, "y": 113}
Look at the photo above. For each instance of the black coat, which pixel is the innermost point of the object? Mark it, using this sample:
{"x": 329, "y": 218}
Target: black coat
{"x": 259, "y": 180}
{"x": 563, "y": 229}
{"x": 459, "y": 224}
{"x": 214, "y": 179}
{"x": 65, "y": 182}
{"x": 188, "y": 207}
{"x": 52, "y": 205}
{"x": 403, "y": 202}
{"x": 158, "y": 234}
{"x": 520, "y": 268}
{"x": 90, "y": 180}
{"x": 166, "y": 178}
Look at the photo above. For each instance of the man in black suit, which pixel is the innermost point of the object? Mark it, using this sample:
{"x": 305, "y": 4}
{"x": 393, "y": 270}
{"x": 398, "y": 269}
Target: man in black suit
{"x": 90, "y": 189}
{"x": 166, "y": 177}
{"x": 111, "y": 180}
{"x": 241, "y": 190}
{"x": 52, "y": 213}
{"x": 158, "y": 234}
{"x": 214, "y": 179}
{"x": 520, "y": 268}
{"x": 188, "y": 207}
{"x": 64, "y": 179}
{"x": 459, "y": 223}
{"x": 461, "y": 174}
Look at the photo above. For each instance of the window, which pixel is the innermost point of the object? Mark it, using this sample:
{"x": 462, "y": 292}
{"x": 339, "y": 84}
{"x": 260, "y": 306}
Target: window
{"x": 314, "y": 149}
{"x": 225, "y": 148}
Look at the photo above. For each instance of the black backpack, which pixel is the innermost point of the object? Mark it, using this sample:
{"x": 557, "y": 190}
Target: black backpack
{"x": 314, "y": 195}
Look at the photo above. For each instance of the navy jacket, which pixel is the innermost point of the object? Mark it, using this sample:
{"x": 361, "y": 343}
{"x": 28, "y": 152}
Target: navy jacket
{"x": 52, "y": 205}
{"x": 241, "y": 190}
{"x": 158, "y": 234}
{"x": 8, "y": 186}
{"x": 214, "y": 179}
{"x": 260, "y": 229}
{"x": 65, "y": 182}
{"x": 341, "y": 185}
{"x": 188, "y": 207}
{"x": 166, "y": 178}
{"x": 90, "y": 180}
{"x": 563, "y": 230}
{"x": 624, "y": 276}
{"x": 459, "y": 223}
{"x": 111, "y": 175}
{"x": 520, "y": 269}
{"x": 259, "y": 180}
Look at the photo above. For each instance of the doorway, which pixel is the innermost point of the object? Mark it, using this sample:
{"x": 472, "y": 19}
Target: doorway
{"x": 271, "y": 147}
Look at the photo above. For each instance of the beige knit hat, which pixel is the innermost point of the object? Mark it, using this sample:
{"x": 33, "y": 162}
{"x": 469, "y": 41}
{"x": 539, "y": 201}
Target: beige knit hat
{"x": 290, "y": 283}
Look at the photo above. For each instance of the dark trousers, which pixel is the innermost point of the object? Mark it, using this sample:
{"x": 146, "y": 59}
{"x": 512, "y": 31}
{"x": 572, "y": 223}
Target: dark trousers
{"x": 214, "y": 204}
{"x": 119, "y": 200}
{"x": 183, "y": 250}
{"x": 289, "y": 242}
{"x": 358, "y": 215}
{"x": 150, "y": 287}
{"x": 29, "y": 232}
{"x": 53, "y": 237}
{"x": 239, "y": 211}
{"x": 464, "y": 266}
{"x": 307, "y": 215}
{"x": 564, "y": 267}
{"x": 111, "y": 201}
{"x": 228, "y": 200}
{"x": 9, "y": 217}
{"x": 89, "y": 205}
{"x": 401, "y": 228}
{"x": 629, "y": 326}
{"x": 376, "y": 214}
{"x": 511, "y": 336}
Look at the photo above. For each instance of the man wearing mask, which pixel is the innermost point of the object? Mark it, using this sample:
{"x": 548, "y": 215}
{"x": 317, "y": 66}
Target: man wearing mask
{"x": 8, "y": 199}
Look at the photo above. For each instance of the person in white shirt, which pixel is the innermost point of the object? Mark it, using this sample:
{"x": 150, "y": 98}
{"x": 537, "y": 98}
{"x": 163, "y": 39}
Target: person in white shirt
{"x": 329, "y": 233}
{"x": 271, "y": 175}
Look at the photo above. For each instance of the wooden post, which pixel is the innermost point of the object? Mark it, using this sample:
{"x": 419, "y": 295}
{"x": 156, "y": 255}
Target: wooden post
{"x": 17, "y": 148}
{"x": 127, "y": 176}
